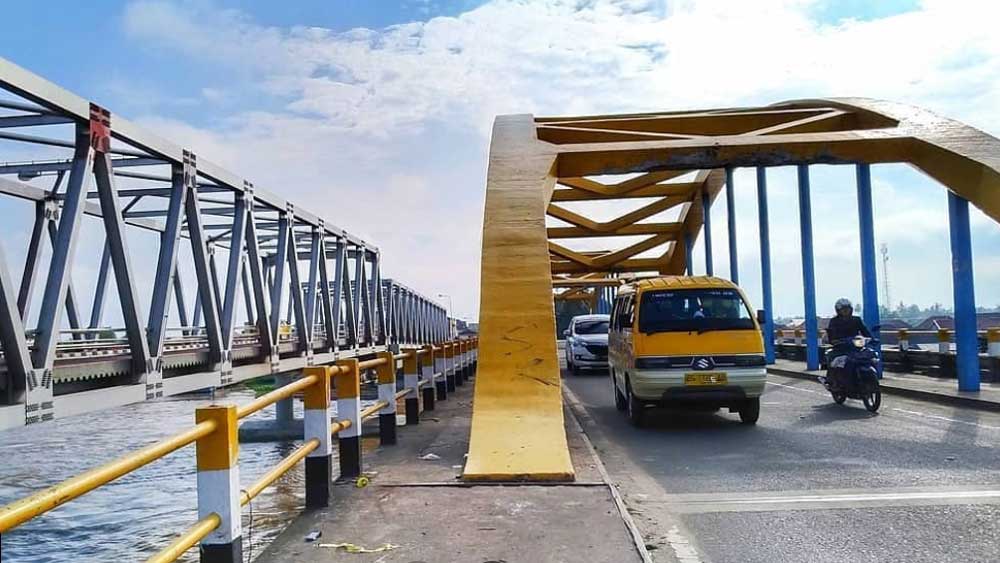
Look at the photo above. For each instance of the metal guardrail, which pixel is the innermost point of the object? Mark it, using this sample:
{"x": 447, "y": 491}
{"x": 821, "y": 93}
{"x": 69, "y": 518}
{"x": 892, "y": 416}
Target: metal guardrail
{"x": 901, "y": 356}
{"x": 431, "y": 370}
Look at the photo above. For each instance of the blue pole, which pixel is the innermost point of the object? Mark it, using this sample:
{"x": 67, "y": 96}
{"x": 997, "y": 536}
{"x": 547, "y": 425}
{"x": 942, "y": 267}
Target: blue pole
{"x": 869, "y": 279}
{"x": 808, "y": 270}
{"x": 688, "y": 249}
{"x": 734, "y": 274}
{"x": 765, "y": 263}
{"x": 967, "y": 348}
{"x": 706, "y": 207}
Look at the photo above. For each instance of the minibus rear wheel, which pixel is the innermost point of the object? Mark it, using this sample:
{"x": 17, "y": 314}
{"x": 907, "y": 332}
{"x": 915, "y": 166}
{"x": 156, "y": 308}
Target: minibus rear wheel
{"x": 750, "y": 411}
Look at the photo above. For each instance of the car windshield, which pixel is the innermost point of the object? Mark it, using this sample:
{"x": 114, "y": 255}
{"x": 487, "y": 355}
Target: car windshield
{"x": 591, "y": 327}
{"x": 693, "y": 310}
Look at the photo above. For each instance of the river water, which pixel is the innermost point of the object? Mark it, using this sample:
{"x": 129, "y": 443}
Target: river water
{"x": 131, "y": 518}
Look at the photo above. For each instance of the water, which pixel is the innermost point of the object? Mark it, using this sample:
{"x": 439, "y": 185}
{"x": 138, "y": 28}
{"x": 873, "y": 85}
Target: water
{"x": 133, "y": 517}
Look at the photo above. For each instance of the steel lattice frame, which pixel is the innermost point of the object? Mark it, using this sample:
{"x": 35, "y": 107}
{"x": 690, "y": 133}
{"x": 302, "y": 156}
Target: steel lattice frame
{"x": 185, "y": 201}
{"x": 538, "y": 165}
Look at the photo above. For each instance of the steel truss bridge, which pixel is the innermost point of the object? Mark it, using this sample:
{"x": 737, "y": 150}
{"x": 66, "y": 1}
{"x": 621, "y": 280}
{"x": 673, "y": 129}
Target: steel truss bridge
{"x": 539, "y": 235}
{"x": 203, "y": 263}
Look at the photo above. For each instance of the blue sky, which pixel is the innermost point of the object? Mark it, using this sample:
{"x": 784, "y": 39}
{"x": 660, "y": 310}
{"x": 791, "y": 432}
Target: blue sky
{"x": 346, "y": 105}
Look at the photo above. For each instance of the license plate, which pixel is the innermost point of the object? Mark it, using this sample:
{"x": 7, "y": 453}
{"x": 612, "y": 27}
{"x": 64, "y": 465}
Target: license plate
{"x": 705, "y": 378}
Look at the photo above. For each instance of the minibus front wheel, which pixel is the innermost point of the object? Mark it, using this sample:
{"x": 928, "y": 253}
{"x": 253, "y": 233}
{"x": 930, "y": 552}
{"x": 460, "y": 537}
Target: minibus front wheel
{"x": 619, "y": 398}
{"x": 636, "y": 408}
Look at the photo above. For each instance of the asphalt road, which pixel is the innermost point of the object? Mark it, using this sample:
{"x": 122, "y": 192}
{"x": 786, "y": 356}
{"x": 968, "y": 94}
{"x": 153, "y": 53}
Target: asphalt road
{"x": 813, "y": 481}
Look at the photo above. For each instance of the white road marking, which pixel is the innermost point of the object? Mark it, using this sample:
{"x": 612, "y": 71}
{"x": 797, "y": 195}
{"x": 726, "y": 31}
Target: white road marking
{"x": 706, "y": 503}
{"x": 945, "y": 418}
{"x": 798, "y": 388}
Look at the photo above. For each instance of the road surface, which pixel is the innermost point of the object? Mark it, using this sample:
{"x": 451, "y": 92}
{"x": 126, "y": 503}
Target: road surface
{"x": 813, "y": 481}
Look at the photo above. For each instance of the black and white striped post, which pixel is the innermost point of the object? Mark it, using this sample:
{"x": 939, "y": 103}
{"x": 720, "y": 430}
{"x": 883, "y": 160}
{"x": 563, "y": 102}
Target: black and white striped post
{"x": 411, "y": 381}
{"x": 441, "y": 381}
{"x": 456, "y": 363}
{"x": 449, "y": 366}
{"x": 427, "y": 375}
{"x": 319, "y": 470}
{"x": 348, "y": 384}
{"x": 217, "y": 455}
{"x": 386, "y": 373}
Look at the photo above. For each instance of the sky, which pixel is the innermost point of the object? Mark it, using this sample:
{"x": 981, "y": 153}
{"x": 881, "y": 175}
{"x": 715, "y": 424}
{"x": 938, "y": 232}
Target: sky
{"x": 377, "y": 115}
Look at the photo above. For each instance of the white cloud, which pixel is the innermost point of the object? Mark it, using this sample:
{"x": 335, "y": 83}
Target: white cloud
{"x": 387, "y": 130}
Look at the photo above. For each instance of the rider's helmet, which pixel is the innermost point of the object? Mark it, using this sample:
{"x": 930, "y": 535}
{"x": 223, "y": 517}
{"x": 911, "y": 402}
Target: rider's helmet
{"x": 843, "y": 303}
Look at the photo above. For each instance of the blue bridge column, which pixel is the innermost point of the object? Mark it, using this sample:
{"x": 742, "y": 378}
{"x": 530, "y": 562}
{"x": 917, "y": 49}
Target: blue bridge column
{"x": 808, "y": 270}
{"x": 869, "y": 279}
{"x": 967, "y": 348}
{"x": 706, "y": 207}
{"x": 765, "y": 263}
{"x": 688, "y": 249}
{"x": 734, "y": 273}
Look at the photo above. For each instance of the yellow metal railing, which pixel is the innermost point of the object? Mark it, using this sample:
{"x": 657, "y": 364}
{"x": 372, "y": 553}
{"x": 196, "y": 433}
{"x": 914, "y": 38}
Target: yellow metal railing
{"x": 37, "y": 504}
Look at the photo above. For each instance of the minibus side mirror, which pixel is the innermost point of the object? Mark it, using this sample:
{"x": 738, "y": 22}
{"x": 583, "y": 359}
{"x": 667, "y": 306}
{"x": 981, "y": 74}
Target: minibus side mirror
{"x": 761, "y": 316}
{"x": 566, "y": 332}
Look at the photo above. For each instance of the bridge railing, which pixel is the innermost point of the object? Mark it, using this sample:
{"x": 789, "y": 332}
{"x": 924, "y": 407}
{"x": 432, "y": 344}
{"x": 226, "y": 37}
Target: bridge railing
{"x": 901, "y": 352}
{"x": 431, "y": 371}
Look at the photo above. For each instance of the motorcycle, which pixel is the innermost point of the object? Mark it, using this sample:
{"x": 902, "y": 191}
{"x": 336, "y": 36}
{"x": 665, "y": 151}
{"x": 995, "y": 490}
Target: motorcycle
{"x": 852, "y": 372}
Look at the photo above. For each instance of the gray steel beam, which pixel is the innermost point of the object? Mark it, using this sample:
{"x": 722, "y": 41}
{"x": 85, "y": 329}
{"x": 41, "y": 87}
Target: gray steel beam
{"x": 121, "y": 263}
{"x": 279, "y": 261}
{"x": 20, "y": 375}
{"x": 31, "y": 260}
{"x": 207, "y": 299}
{"x": 57, "y": 282}
{"x": 166, "y": 262}
{"x": 233, "y": 272}
{"x": 326, "y": 301}
{"x": 268, "y": 340}
{"x": 100, "y": 291}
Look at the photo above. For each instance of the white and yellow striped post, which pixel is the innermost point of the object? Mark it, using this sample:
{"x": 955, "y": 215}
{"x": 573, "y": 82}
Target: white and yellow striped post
{"x": 219, "y": 484}
{"x": 386, "y": 373}
{"x": 904, "y": 340}
{"x": 319, "y": 469}
{"x": 944, "y": 341}
{"x": 427, "y": 360}
{"x": 348, "y": 384}
{"x": 441, "y": 382}
{"x": 411, "y": 381}
{"x": 449, "y": 366}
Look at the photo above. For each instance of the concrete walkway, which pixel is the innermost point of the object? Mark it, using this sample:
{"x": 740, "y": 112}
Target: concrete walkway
{"x": 420, "y": 506}
{"x": 938, "y": 390}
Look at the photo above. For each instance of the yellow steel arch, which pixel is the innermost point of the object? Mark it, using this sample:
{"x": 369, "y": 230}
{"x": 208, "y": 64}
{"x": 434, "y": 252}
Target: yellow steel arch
{"x": 538, "y": 165}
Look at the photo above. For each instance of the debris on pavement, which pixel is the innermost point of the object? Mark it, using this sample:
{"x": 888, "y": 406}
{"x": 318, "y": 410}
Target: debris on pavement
{"x": 354, "y": 548}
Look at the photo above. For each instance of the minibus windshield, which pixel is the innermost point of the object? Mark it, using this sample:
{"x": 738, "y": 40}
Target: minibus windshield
{"x": 693, "y": 310}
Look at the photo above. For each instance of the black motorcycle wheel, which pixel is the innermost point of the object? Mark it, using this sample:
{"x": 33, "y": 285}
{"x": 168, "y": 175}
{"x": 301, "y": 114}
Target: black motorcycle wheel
{"x": 838, "y": 397}
{"x": 872, "y": 397}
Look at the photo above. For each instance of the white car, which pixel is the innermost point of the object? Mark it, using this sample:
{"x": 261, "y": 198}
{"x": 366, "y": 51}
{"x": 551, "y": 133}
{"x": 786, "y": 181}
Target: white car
{"x": 587, "y": 343}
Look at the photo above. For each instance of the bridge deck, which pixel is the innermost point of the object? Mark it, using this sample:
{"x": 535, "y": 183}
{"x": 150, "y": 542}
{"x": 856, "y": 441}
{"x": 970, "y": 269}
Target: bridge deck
{"x": 420, "y": 506}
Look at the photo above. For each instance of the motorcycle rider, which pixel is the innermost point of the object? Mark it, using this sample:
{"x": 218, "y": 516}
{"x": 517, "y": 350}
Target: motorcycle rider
{"x": 842, "y": 328}
{"x": 845, "y": 325}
